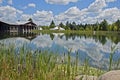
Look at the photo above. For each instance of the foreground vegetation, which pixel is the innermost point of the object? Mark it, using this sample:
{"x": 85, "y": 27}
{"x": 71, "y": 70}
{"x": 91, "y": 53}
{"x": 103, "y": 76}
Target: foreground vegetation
{"x": 29, "y": 65}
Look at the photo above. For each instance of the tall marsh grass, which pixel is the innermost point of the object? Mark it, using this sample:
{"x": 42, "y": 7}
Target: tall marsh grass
{"x": 113, "y": 64}
{"x": 41, "y": 65}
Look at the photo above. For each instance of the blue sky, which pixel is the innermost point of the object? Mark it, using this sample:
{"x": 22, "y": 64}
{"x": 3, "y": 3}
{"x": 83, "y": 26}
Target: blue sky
{"x": 55, "y": 8}
{"x": 43, "y": 11}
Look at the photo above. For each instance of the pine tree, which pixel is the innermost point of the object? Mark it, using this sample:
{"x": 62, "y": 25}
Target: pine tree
{"x": 52, "y": 24}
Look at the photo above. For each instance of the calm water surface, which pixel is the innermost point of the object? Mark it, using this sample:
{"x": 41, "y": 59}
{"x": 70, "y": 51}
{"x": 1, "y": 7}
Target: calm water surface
{"x": 95, "y": 47}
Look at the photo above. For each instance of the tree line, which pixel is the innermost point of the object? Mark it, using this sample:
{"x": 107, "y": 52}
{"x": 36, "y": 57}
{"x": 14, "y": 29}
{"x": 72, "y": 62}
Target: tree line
{"x": 102, "y": 26}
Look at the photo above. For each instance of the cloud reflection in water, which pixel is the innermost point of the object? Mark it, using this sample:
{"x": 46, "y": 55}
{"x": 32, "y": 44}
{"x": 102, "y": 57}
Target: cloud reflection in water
{"x": 95, "y": 50}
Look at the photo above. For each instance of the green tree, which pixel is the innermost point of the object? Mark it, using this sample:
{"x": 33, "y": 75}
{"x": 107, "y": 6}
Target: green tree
{"x": 52, "y": 24}
{"x": 104, "y": 25}
{"x": 114, "y": 27}
{"x": 61, "y": 25}
{"x": 67, "y": 27}
{"x": 30, "y": 19}
{"x": 96, "y": 26}
{"x": 45, "y": 27}
{"x": 117, "y": 23}
{"x": 110, "y": 27}
{"x": 81, "y": 27}
{"x": 73, "y": 26}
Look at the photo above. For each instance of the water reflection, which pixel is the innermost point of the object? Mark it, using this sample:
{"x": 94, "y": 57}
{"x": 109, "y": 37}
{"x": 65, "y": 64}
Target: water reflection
{"x": 28, "y": 36}
{"x": 95, "y": 47}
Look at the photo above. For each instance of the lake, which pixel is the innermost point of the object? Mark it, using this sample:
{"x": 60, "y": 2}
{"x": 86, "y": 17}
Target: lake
{"x": 96, "y": 48}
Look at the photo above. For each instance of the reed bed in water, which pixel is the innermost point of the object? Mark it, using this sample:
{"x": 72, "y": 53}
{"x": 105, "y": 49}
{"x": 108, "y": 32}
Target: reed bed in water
{"x": 38, "y": 65}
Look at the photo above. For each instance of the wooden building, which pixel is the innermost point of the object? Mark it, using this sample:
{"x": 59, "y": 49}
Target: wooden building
{"x": 18, "y": 28}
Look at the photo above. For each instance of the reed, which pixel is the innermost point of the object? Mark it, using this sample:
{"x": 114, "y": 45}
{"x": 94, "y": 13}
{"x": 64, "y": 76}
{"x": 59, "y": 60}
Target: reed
{"x": 113, "y": 49}
{"x": 40, "y": 65}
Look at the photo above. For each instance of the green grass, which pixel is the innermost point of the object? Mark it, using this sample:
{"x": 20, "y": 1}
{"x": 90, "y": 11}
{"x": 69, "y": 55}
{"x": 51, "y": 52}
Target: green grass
{"x": 41, "y": 66}
{"x": 45, "y": 65}
{"x": 59, "y": 31}
{"x": 113, "y": 49}
{"x": 78, "y": 32}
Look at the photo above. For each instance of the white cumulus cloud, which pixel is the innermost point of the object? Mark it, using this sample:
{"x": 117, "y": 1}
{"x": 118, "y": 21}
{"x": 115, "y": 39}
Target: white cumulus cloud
{"x": 39, "y": 17}
{"x": 96, "y": 11}
{"x": 64, "y": 2}
{"x": 110, "y": 0}
{"x": 96, "y": 6}
{"x": 72, "y": 14}
{"x": 32, "y": 5}
{"x": 43, "y": 17}
{"x": 111, "y": 14}
{"x": 25, "y": 17}
{"x": 9, "y": 14}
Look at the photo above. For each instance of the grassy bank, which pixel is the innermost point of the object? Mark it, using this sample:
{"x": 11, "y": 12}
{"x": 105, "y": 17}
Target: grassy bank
{"x": 39, "y": 65}
{"x": 78, "y": 32}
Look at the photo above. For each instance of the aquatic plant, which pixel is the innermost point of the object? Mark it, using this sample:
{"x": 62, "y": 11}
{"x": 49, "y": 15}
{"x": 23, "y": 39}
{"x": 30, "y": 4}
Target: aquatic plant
{"x": 40, "y": 65}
